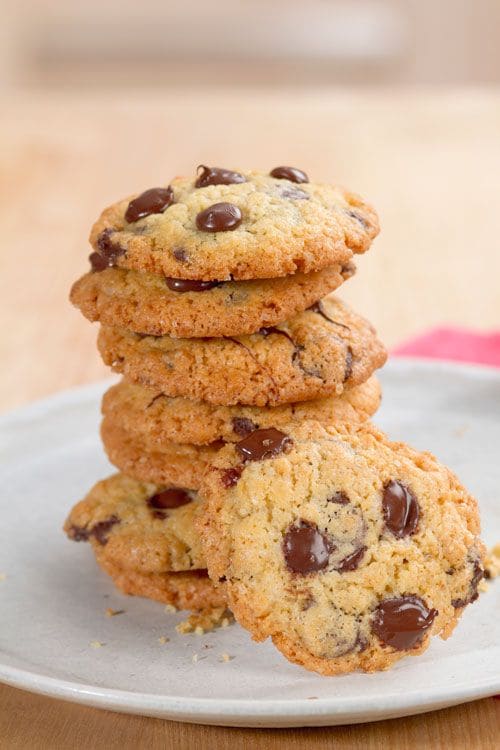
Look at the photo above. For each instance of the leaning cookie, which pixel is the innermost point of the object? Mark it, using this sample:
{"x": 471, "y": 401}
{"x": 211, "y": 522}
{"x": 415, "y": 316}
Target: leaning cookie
{"x": 154, "y": 420}
{"x": 315, "y": 354}
{"x": 349, "y": 551}
{"x": 148, "y": 303}
{"x": 222, "y": 224}
{"x": 168, "y": 463}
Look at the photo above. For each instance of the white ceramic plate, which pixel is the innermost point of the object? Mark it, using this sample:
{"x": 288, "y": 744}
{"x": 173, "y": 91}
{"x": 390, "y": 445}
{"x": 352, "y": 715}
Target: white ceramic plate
{"x": 53, "y": 597}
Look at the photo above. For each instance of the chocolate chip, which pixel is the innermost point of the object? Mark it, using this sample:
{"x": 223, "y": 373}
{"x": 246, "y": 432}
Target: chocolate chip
{"x": 173, "y": 497}
{"x": 351, "y": 562}
{"x": 190, "y": 285}
{"x": 348, "y": 364}
{"x": 217, "y": 176}
{"x": 243, "y": 426}
{"x": 348, "y": 270}
{"x": 340, "y": 498}
{"x": 180, "y": 254}
{"x": 221, "y": 217}
{"x": 477, "y": 575}
{"x": 289, "y": 173}
{"x": 294, "y": 194}
{"x": 101, "y": 530}
{"x": 79, "y": 533}
{"x": 361, "y": 219}
{"x": 153, "y": 201}
{"x": 400, "y": 508}
{"x": 305, "y": 548}
{"x": 402, "y": 622}
{"x": 97, "y": 262}
{"x": 230, "y": 477}
{"x": 262, "y": 444}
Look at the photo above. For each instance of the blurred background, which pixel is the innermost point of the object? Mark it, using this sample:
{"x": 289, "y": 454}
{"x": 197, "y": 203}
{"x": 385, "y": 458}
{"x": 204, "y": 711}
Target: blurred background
{"x": 246, "y": 42}
{"x": 397, "y": 100}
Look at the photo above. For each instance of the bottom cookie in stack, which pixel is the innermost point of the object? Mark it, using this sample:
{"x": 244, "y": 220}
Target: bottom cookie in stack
{"x": 143, "y": 536}
{"x": 165, "y": 440}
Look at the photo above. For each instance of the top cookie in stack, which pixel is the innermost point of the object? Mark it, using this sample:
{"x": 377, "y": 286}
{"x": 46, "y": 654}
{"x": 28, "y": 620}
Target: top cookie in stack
{"x": 262, "y": 247}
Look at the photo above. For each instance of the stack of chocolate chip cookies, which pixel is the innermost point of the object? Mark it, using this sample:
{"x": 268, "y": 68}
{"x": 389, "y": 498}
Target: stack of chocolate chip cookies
{"x": 250, "y": 476}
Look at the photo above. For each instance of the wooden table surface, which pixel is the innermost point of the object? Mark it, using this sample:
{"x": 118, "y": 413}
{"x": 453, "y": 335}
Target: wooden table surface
{"x": 430, "y": 162}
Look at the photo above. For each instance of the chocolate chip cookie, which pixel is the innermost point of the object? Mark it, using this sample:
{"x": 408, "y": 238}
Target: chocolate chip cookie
{"x": 168, "y": 463}
{"x": 155, "y": 420}
{"x": 148, "y": 303}
{"x": 318, "y": 353}
{"x": 252, "y": 225}
{"x": 349, "y": 551}
{"x": 143, "y": 536}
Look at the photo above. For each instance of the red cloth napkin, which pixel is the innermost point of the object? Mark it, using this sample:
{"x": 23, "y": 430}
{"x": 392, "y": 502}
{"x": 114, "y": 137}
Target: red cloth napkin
{"x": 454, "y": 343}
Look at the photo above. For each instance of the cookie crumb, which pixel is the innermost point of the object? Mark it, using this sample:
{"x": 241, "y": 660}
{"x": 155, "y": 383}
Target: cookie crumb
{"x": 163, "y": 639}
{"x": 96, "y": 644}
{"x": 204, "y": 621}
{"x": 460, "y": 431}
{"x": 114, "y": 612}
{"x": 170, "y": 608}
{"x": 492, "y": 562}
{"x": 226, "y": 657}
{"x": 196, "y": 658}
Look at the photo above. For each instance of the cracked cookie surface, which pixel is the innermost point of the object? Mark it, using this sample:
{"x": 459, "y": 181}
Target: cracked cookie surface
{"x": 267, "y": 226}
{"x": 317, "y": 353}
{"x": 168, "y": 463}
{"x": 349, "y": 551}
{"x": 155, "y": 420}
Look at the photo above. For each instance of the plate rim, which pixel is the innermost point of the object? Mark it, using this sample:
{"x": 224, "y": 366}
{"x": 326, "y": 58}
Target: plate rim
{"x": 243, "y": 711}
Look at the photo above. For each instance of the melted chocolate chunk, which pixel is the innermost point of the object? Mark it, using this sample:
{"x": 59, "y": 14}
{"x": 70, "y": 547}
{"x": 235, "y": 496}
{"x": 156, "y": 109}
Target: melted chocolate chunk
{"x": 289, "y": 173}
{"x": 340, "y": 498}
{"x": 97, "y": 262}
{"x": 221, "y": 217}
{"x": 173, "y": 497}
{"x": 305, "y": 548}
{"x": 400, "y": 508}
{"x": 262, "y": 444}
{"x": 351, "y": 562}
{"x": 243, "y": 426}
{"x": 217, "y": 176}
{"x": 271, "y": 329}
{"x": 318, "y": 308}
{"x": 190, "y": 285}
{"x": 477, "y": 575}
{"x": 101, "y": 530}
{"x": 348, "y": 364}
{"x": 180, "y": 254}
{"x": 153, "y": 201}
{"x": 402, "y": 622}
{"x": 294, "y": 194}
{"x": 230, "y": 477}
{"x": 109, "y": 250}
